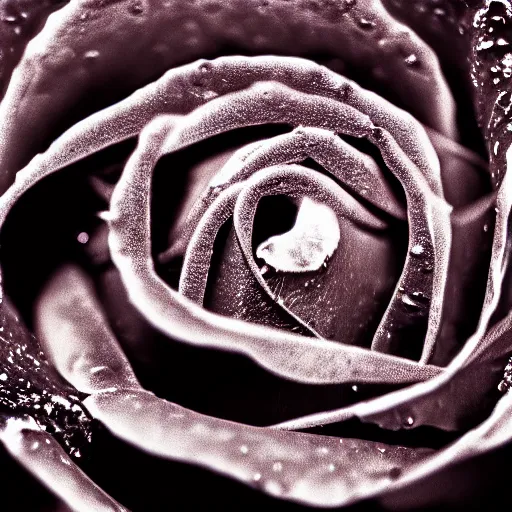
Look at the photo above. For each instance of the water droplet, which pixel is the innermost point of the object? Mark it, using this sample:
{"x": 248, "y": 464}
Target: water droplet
{"x": 244, "y": 449}
{"x": 205, "y": 68}
{"x": 355, "y": 389}
{"x": 377, "y": 133}
{"x": 417, "y": 250}
{"x": 277, "y": 467}
{"x": 83, "y": 237}
{"x": 257, "y": 477}
{"x": 415, "y": 300}
{"x": 486, "y": 227}
{"x": 408, "y": 422}
{"x": 394, "y": 473}
{"x": 484, "y": 45}
{"x": 366, "y": 24}
{"x": 136, "y": 8}
{"x": 408, "y": 301}
{"x": 92, "y": 54}
{"x": 332, "y": 468}
{"x": 273, "y": 487}
{"x": 427, "y": 269}
{"x": 412, "y": 60}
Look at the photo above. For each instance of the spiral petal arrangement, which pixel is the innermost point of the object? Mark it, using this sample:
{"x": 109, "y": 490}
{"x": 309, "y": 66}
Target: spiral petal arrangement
{"x": 54, "y": 388}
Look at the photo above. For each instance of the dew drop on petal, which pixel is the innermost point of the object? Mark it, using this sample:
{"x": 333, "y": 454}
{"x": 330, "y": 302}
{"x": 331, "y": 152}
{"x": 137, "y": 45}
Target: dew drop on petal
{"x": 366, "y": 24}
{"x": 417, "y": 250}
{"x": 277, "y": 467}
{"x": 92, "y": 54}
{"x": 408, "y": 422}
{"x": 412, "y": 60}
{"x": 83, "y": 237}
{"x": 273, "y": 487}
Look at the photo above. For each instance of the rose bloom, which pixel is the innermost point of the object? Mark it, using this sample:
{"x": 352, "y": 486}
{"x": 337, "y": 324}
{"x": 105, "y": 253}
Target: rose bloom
{"x": 255, "y": 253}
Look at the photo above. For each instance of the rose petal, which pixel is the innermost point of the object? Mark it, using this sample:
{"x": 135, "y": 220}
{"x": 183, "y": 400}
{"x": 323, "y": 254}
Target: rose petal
{"x": 41, "y": 455}
{"x": 71, "y": 48}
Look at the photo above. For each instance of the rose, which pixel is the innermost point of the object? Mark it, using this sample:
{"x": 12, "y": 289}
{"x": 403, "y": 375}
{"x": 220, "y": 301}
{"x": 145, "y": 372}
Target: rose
{"x": 413, "y": 246}
{"x": 414, "y": 405}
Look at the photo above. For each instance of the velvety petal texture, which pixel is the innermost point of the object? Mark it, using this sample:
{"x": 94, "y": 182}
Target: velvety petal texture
{"x": 260, "y": 248}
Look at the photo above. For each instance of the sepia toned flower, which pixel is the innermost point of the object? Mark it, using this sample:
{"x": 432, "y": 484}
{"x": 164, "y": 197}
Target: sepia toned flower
{"x": 255, "y": 251}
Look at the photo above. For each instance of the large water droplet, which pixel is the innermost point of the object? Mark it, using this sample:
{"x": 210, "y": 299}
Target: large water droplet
{"x": 83, "y": 237}
{"x": 408, "y": 422}
{"x": 417, "y": 250}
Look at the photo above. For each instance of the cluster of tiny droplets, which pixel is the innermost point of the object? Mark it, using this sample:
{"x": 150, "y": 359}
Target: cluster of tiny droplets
{"x": 506, "y": 382}
{"x": 29, "y": 386}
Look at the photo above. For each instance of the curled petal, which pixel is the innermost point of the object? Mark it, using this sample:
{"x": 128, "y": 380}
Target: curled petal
{"x": 290, "y": 356}
{"x": 315, "y": 470}
{"x": 76, "y": 337}
{"x": 354, "y": 169}
{"x": 162, "y": 34}
{"x": 39, "y": 453}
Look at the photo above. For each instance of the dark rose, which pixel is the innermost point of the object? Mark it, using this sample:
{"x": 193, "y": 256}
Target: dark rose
{"x": 255, "y": 252}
